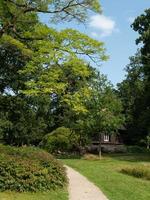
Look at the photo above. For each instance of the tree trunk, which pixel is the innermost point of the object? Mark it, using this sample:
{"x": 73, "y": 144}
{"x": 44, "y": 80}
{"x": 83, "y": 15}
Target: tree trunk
{"x": 100, "y": 147}
{"x": 148, "y": 144}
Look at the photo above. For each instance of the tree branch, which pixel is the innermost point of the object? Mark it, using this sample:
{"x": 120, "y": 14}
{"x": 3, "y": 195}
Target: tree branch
{"x": 34, "y": 9}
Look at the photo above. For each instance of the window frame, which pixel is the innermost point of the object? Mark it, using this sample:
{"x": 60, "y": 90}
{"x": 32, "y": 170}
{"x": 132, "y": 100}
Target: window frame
{"x": 106, "y": 137}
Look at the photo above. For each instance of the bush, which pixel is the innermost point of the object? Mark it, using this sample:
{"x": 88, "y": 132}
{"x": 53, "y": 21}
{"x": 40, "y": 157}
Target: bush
{"x": 59, "y": 140}
{"x": 137, "y": 149}
{"x": 29, "y": 169}
{"x": 90, "y": 157}
{"x": 138, "y": 172}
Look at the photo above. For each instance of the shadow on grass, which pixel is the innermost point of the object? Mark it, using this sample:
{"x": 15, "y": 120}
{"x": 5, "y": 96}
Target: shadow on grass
{"x": 129, "y": 157}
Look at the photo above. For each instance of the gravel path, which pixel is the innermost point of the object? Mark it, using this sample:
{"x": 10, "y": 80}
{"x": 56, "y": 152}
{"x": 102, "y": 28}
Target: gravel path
{"x": 82, "y": 189}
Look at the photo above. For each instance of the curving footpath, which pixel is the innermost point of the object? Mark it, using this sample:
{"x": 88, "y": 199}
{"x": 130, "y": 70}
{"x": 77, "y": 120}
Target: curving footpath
{"x": 80, "y": 188}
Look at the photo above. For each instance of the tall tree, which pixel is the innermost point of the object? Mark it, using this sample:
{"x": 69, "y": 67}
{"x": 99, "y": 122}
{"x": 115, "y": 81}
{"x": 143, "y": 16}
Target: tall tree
{"x": 41, "y": 62}
{"x": 105, "y": 109}
{"x": 142, "y": 26}
{"x": 135, "y": 89}
{"x": 131, "y": 92}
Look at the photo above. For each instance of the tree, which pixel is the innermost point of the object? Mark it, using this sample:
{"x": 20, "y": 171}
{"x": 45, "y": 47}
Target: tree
{"x": 142, "y": 26}
{"x": 38, "y": 62}
{"x": 20, "y": 124}
{"x": 15, "y": 11}
{"x": 105, "y": 109}
{"x": 131, "y": 92}
{"x": 59, "y": 69}
{"x": 134, "y": 90}
{"x": 47, "y": 48}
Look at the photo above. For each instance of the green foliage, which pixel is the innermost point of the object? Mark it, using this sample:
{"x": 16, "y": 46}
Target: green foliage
{"x": 22, "y": 14}
{"x": 136, "y": 149}
{"x": 11, "y": 60}
{"x": 47, "y": 79}
{"x": 7, "y": 39}
{"x": 66, "y": 49}
{"x": 19, "y": 124}
{"x": 135, "y": 89}
{"x": 131, "y": 89}
{"x": 102, "y": 110}
{"x": 59, "y": 140}
{"x": 38, "y": 62}
{"x": 132, "y": 95}
{"x": 142, "y": 26}
{"x": 138, "y": 172}
{"x": 29, "y": 169}
{"x": 104, "y": 106}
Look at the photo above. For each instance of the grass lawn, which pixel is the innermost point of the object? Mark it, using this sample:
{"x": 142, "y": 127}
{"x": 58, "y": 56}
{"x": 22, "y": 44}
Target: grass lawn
{"x": 54, "y": 195}
{"x": 106, "y": 174}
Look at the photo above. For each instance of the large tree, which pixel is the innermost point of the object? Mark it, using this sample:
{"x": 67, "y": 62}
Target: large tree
{"x": 135, "y": 89}
{"x": 104, "y": 109}
{"x": 40, "y": 64}
{"x": 12, "y": 12}
{"x": 131, "y": 92}
{"x": 142, "y": 26}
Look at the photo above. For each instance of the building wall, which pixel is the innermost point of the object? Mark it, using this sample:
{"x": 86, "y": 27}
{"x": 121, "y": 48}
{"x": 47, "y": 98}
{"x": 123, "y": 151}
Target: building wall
{"x": 113, "y": 139}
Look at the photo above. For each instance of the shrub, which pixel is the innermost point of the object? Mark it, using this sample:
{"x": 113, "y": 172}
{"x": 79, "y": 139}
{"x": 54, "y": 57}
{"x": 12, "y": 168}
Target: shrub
{"x": 138, "y": 172}
{"x": 90, "y": 157}
{"x": 59, "y": 140}
{"x": 137, "y": 149}
{"x": 29, "y": 169}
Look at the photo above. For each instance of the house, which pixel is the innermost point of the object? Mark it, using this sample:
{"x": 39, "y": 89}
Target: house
{"x": 109, "y": 143}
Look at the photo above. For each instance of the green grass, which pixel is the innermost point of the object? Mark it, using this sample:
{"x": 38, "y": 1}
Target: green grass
{"x": 53, "y": 195}
{"x": 106, "y": 174}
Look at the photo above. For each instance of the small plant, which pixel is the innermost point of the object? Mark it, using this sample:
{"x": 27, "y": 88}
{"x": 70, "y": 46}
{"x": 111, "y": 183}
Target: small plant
{"x": 138, "y": 172}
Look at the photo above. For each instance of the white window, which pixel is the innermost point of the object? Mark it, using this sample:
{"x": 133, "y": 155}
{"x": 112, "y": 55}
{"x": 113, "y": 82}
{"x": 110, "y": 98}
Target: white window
{"x": 106, "y": 138}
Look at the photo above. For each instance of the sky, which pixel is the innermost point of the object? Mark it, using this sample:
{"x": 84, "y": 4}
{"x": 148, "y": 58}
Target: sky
{"x": 113, "y": 28}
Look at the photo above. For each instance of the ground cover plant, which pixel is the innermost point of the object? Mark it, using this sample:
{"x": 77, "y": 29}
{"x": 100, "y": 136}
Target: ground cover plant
{"x": 105, "y": 173}
{"x": 28, "y": 169}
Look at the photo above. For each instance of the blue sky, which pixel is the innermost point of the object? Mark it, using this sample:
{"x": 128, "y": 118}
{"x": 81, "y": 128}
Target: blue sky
{"x": 113, "y": 28}
{"x": 120, "y": 43}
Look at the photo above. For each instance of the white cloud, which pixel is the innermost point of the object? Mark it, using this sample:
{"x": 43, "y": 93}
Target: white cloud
{"x": 131, "y": 19}
{"x": 104, "y": 24}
